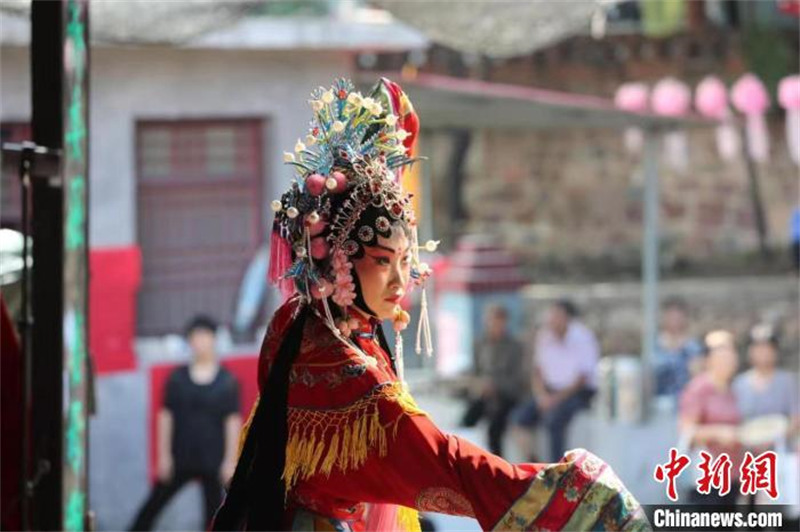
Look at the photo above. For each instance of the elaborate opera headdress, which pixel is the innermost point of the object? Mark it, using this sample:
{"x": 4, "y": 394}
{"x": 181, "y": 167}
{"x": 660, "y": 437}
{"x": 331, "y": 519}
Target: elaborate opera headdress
{"x": 346, "y": 193}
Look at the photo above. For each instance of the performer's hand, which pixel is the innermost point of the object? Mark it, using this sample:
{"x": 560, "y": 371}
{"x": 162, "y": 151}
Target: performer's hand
{"x": 165, "y": 468}
{"x": 226, "y": 471}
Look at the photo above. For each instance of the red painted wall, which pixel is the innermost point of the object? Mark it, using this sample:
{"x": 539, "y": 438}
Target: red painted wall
{"x": 114, "y": 278}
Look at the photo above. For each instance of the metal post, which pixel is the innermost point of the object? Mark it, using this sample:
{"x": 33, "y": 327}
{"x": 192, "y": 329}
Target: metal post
{"x": 47, "y": 64}
{"x": 77, "y": 393}
{"x": 650, "y": 244}
{"x": 25, "y": 324}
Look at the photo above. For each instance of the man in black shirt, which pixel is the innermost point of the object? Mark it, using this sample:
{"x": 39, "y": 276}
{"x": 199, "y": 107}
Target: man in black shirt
{"x": 198, "y": 427}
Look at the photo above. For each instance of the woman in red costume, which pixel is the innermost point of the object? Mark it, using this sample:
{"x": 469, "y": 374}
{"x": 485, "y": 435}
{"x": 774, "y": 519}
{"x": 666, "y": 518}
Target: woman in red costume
{"x": 335, "y": 441}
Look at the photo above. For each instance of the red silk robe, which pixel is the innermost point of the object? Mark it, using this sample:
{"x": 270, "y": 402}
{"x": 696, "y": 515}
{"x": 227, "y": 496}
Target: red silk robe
{"x": 358, "y": 444}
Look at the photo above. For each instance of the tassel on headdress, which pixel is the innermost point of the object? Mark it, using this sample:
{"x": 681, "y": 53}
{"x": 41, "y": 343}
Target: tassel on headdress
{"x": 280, "y": 259}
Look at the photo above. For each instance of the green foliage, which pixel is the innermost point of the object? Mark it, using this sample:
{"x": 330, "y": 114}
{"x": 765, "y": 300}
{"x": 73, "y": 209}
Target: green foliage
{"x": 768, "y": 55}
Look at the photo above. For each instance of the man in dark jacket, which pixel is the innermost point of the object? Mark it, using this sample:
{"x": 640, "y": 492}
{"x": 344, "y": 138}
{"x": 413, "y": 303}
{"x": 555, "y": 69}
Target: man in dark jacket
{"x": 501, "y": 377}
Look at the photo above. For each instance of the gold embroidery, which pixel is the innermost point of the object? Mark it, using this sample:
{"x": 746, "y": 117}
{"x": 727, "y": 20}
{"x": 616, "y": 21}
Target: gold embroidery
{"x": 444, "y": 500}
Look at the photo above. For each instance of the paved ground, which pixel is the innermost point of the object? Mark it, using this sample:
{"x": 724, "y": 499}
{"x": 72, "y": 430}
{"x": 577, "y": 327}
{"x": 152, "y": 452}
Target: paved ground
{"x": 632, "y": 450}
{"x": 119, "y": 480}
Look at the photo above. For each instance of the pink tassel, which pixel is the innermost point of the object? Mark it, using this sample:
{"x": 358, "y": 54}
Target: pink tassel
{"x": 793, "y": 133}
{"x": 751, "y": 98}
{"x": 711, "y": 99}
{"x": 758, "y": 137}
{"x": 382, "y": 517}
{"x": 280, "y": 259}
{"x": 633, "y": 97}
{"x": 676, "y": 150}
{"x": 634, "y": 140}
{"x": 728, "y": 139}
{"x": 789, "y": 98}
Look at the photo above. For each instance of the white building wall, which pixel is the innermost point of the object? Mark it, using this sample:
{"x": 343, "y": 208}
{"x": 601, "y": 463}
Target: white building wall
{"x": 15, "y": 83}
{"x": 130, "y": 84}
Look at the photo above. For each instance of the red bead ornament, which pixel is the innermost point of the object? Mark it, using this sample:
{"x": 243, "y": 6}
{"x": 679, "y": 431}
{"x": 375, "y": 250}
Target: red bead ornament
{"x": 315, "y": 183}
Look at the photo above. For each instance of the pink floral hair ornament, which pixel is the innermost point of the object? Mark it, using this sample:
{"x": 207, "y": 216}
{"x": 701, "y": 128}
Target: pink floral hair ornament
{"x": 749, "y": 97}
{"x": 711, "y": 101}
{"x": 345, "y": 195}
{"x": 789, "y": 98}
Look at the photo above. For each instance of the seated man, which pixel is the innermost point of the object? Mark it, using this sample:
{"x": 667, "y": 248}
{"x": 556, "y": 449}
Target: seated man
{"x": 562, "y": 380}
{"x": 500, "y": 377}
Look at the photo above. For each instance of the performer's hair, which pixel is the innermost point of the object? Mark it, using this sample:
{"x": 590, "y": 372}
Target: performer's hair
{"x": 257, "y": 494}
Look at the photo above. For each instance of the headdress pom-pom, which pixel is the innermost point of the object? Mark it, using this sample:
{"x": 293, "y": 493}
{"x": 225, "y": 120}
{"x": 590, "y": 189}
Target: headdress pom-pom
{"x": 401, "y": 319}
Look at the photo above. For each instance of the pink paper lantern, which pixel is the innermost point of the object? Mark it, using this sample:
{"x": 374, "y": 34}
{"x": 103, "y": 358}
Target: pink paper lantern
{"x": 711, "y": 100}
{"x": 789, "y": 92}
{"x": 671, "y": 97}
{"x": 750, "y": 98}
{"x": 749, "y": 95}
{"x": 633, "y": 97}
{"x": 789, "y": 98}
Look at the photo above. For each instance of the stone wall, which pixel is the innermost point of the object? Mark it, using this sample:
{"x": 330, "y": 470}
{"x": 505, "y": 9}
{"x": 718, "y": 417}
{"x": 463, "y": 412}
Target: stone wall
{"x": 576, "y": 195}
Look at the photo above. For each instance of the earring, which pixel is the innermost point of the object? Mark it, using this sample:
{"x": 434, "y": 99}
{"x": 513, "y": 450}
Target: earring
{"x": 399, "y": 322}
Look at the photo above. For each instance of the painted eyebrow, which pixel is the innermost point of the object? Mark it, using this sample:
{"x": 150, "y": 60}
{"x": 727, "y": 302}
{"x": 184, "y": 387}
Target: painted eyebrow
{"x": 390, "y": 250}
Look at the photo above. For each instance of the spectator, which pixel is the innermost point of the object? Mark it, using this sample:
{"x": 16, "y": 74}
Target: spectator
{"x": 501, "y": 377}
{"x": 198, "y": 427}
{"x": 678, "y": 355}
{"x": 563, "y": 378}
{"x": 708, "y": 413}
{"x": 765, "y": 389}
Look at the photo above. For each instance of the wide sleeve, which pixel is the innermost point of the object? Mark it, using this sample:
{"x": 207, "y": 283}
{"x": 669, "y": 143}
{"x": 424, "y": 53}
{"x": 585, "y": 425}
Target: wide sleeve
{"x": 429, "y": 470}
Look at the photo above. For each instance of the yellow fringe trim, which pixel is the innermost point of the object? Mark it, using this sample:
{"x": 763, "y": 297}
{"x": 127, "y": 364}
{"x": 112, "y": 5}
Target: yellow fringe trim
{"x": 408, "y": 519}
{"x": 246, "y": 427}
{"x": 321, "y": 439}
